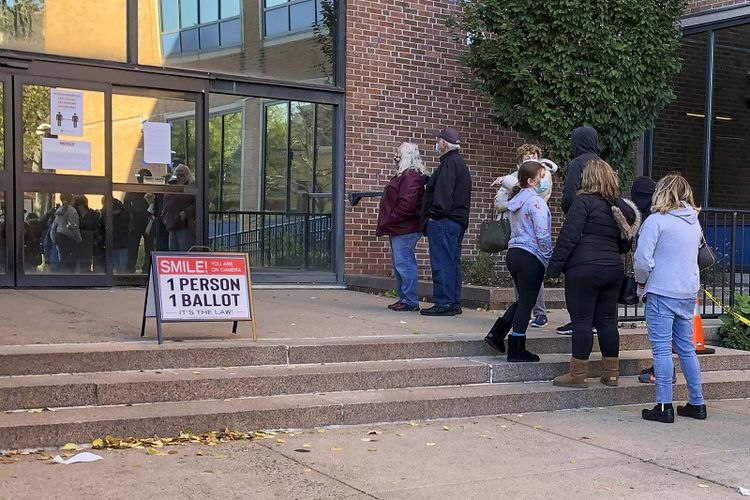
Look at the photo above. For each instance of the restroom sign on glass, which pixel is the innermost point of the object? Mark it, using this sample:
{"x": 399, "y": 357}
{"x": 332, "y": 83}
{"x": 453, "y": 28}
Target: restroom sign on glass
{"x": 66, "y": 112}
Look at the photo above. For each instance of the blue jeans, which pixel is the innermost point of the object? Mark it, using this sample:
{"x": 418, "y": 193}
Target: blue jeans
{"x": 405, "y": 267}
{"x": 671, "y": 320}
{"x": 445, "y": 238}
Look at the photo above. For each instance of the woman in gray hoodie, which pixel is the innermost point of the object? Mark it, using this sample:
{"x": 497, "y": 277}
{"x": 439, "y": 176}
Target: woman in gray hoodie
{"x": 666, "y": 265}
{"x": 529, "y": 251}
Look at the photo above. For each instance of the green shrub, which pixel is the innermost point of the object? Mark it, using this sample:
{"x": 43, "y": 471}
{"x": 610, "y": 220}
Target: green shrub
{"x": 480, "y": 270}
{"x": 733, "y": 332}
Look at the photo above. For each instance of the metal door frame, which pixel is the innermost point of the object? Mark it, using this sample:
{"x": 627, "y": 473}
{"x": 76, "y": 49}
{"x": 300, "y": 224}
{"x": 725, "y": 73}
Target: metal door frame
{"x": 14, "y": 181}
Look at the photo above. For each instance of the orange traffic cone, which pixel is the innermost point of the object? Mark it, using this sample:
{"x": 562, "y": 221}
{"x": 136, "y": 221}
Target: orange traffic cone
{"x": 700, "y": 346}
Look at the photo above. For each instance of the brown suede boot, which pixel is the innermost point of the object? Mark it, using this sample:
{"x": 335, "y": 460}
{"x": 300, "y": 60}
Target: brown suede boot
{"x": 579, "y": 370}
{"x": 610, "y": 371}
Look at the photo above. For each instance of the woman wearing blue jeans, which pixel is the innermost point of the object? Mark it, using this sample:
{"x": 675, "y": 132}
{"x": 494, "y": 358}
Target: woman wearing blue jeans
{"x": 399, "y": 219}
{"x": 666, "y": 265}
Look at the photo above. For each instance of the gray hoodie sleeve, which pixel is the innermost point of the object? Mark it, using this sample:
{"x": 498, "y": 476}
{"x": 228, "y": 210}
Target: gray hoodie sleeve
{"x": 643, "y": 262}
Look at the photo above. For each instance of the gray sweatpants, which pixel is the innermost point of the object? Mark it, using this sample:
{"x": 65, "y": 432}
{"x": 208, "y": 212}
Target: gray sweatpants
{"x": 539, "y": 306}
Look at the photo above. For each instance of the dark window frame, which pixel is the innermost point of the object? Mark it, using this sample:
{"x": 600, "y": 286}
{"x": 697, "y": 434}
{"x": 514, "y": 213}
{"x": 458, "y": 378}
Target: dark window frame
{"x": 287, "y": 5}
{"x": 197, "y": 28}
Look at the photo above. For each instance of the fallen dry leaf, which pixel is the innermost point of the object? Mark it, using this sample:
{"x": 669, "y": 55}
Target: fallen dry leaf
{"x": 446, "y": 428}
{"x": 306, "y": 445}
{"x": 69, "y": 446}
{"x": 336, "y": 448}
{"x": 430, "y": 444}
{"x": 374, "y": 432}
{"x": 97, "y": 444}
{"x": 372, "y": 449}
{"x": 154, "y": 451}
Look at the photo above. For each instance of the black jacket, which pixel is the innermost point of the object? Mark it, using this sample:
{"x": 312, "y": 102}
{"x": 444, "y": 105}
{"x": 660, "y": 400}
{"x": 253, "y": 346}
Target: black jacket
{"x": 641, "y": 194}
{"x": 448, "y": 192}
{"x": 584, "y": 142}
{"x": 590, "y": 235}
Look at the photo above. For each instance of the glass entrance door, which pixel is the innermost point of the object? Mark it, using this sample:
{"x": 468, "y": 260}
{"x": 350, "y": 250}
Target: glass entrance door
{"x": 62, "y": 165}
{"x": 95, "y": 177}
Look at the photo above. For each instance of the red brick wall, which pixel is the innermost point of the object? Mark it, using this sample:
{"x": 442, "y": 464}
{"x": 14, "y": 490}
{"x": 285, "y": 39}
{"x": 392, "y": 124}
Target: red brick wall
{"x": 403, "y": 82}
{"x": 697, "y": 6}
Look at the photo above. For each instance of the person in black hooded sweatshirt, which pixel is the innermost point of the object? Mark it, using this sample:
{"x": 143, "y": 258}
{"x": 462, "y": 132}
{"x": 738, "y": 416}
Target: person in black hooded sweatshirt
{"x": 584, "y": 143}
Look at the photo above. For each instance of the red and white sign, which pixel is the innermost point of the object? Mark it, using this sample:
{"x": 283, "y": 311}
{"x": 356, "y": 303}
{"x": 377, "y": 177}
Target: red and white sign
{"x": 202, "y": 287}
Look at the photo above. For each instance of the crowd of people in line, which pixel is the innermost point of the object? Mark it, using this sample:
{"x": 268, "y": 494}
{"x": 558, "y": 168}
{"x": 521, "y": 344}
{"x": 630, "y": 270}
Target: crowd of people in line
{"x": 658, "y": 228}
{"x": 71, "y": 237}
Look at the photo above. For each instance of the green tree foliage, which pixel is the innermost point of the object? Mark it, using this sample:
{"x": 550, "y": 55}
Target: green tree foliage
{"x": 548, "y": 67}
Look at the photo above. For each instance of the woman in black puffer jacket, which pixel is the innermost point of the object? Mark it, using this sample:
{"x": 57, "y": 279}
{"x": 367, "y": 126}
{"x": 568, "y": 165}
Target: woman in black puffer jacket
{"x": 598, "y": 229}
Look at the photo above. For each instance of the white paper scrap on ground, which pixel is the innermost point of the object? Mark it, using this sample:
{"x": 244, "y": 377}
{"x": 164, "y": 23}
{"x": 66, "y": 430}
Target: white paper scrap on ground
{"x": 80, "y": 458}
{"x": 744, "y": 492}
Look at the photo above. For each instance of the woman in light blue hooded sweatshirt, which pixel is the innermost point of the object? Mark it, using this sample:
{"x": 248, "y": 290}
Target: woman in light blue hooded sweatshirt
{"x": 666, "y": 266}
{"x": 529, "y": 250}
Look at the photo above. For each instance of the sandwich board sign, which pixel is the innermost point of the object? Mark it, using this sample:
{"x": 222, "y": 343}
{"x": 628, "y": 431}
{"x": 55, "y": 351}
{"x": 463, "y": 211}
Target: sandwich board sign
{"x": 196, "y": 287}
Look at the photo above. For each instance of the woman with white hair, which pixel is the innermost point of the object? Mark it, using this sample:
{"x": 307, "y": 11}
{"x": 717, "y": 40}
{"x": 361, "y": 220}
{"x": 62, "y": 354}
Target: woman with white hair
{"x": 399, "y": 219}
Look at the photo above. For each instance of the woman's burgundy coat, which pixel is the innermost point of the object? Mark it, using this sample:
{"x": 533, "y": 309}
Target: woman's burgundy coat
{"x": 401, "y": 205}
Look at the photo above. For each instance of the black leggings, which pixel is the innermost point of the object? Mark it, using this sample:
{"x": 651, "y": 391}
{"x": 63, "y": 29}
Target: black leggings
{"x": 591, "y": 294}
{"x": 527, "y": 272}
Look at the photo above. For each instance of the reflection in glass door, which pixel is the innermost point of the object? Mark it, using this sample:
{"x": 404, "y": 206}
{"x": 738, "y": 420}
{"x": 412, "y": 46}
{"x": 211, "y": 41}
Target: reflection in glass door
{"x": 61, "y": 183}
{"x": 160, "y": 202}
{"x": 81, "y": 203}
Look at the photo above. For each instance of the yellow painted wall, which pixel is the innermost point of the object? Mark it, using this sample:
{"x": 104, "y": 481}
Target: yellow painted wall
{"x": 86, "y": 28}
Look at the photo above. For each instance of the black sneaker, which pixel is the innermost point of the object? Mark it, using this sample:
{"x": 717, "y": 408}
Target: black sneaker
{"x": 439, "y": 311}
{"x": 457, "y": 308}
{"x": 692, "y": 411}
{"x": 662, "y": 412}
{"x": 566, "y": 329}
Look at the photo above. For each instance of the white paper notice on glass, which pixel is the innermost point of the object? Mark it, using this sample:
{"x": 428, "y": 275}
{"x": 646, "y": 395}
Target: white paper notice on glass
{"x": 66, "y": 155}
{"x": 66, "y": 112}
{"x": 157, "y": 142}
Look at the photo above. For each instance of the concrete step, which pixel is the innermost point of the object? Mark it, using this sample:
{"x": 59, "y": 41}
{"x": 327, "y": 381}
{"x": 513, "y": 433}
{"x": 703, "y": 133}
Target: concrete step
{"x": 22, "y": 429}
{"x": 131, "y": 387}
{"x": 83, "y": 358}
{"x": 111, "y": 388}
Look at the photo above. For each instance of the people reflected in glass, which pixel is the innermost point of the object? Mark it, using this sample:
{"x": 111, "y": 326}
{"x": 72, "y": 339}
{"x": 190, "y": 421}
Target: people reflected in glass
{"x": 178, "y": 212}
{"x": 141, "y": 227}
{"x": 66, "y": 233}
{"x": 33, "y": 235}
{"x": 120, "y": 225}
{"x": 89, "y": 224}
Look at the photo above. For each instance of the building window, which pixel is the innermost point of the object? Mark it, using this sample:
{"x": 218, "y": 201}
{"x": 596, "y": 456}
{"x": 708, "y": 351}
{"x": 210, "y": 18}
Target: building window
{"x": 189, "y": 26}
{"x": 297, "y": 164}
{"x": 225, "y": 161}
{"x": 284, "y": 17}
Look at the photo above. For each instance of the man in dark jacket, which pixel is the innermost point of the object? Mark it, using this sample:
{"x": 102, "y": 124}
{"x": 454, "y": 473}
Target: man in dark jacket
{"x": 584, "y": 142}
{"x": 445, "y": 217}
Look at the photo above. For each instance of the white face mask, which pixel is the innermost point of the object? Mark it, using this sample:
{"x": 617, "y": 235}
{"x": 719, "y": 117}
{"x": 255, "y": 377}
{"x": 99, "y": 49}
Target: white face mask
{"x": 437, "y": 147}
